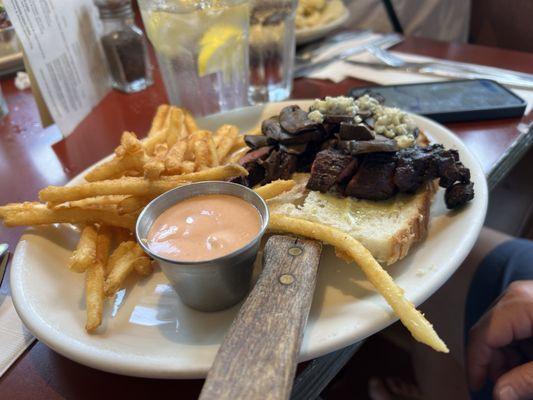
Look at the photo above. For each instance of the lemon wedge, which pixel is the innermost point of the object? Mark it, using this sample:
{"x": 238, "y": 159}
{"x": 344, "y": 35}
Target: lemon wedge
{"x": 221, "y": 47}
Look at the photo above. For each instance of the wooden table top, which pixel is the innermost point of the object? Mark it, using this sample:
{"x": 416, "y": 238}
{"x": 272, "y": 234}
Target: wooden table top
{"x": 29, "y": 160}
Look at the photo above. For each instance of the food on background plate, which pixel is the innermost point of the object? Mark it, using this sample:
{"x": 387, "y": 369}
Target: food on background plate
{"x": 107, "y": 206}
{"x": 202, "y": 228}
{"x": 315, "y": 13}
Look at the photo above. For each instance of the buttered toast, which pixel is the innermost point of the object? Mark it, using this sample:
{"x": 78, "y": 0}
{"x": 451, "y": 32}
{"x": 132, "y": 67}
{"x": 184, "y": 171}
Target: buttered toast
{"x": 388, "y": 228}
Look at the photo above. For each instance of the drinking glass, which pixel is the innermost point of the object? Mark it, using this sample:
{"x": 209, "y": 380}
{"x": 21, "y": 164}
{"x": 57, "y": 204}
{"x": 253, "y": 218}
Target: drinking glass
{"x": 271, "y": 49}
{"x": 202, "y": 51}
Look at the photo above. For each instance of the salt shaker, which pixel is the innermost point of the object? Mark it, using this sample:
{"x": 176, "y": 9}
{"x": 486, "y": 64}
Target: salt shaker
{"x": 124, "y": 45}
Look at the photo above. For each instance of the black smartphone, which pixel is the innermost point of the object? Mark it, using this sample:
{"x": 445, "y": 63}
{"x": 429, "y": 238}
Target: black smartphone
{"x": 450, "y": 101}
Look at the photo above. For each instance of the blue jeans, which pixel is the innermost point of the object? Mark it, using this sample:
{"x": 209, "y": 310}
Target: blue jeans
{"x": 510, "y": 261}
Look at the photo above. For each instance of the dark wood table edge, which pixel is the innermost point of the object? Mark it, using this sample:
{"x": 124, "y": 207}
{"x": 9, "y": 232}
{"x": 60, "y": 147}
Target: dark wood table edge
{"x": 511, "y": 156}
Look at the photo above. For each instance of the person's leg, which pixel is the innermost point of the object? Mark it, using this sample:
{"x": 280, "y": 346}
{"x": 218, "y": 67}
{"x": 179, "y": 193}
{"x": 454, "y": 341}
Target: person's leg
{"x": 509, "y": 262}
{"x": 442, "y": 376}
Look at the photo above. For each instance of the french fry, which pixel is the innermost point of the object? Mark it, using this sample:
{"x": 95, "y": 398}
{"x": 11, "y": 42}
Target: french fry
{"x": 128, "y": 156}
{"x": 121, "y": 265}
{"x": 129, "y": 144}
{"x": 131, "y": 204}
{"x": 85, "y": 253}
{"x": 187, "y": 167}
{"x": 237, "y": 155}
{"x": 120, "y": 252}
{"x": 212, "y": 155}
{"x": 175, "y": 125}
{"x": 153, "y": 169}
{"x": 201, "y": 155}
{"x": 195, "y": 136}
{"x": 94, "y": 281}
{"x": 412, "y": 319}
{"x": 159, "y": 119}
{"x": 91, "y": 203}
{"x": 190, "y": 123}
{"x": 274, "y": 188}
{"x": 160, "y": 151}
{"x": 143, "y": 265}
{"x": 175, "y": 157}
{"x": 225, "y": 137}
{"x": 39, "y": 214}
{"x": 122, "y": 235}
{"x": 134, "y": 186}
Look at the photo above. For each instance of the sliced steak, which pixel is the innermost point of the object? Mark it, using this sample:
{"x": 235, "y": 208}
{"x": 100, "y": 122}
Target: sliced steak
{"x": 414, "y": 166}
{"x": 295, "y": 121}
{"x": 255, "y": 155}
{"x": 458, "y": 194}
{"x": 278, "y": 165}
{"x": 328, "y": 166}
{"x": 374, "y": 178}
{"x": 252, "y": 162}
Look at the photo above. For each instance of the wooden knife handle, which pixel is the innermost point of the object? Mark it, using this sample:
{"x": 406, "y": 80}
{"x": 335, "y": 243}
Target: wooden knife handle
{"x": 258, "y": 357}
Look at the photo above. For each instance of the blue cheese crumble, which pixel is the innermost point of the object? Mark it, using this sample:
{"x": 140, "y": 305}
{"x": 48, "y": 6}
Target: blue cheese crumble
{"x": 340, "y": 105}
{"x": 388, "y": 121}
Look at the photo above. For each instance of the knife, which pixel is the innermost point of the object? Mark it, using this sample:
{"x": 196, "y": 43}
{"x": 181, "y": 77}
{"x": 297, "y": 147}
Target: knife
{"x": 257, "y": 358}
{"x": 385, "y": 41}
{"x": 4, "y": 256}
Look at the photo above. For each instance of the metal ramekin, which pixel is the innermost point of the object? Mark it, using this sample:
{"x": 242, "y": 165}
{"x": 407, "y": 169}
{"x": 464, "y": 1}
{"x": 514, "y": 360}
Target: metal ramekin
{"x": 206, "y": 285}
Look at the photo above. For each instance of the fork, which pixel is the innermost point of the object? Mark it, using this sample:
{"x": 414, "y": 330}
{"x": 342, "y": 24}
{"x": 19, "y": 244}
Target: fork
{"x": 4, "y": 256}
{"x": 453, "y": 69}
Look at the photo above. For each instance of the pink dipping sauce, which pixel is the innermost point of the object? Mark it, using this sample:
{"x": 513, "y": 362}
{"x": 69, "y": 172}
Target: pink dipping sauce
{"x": 204, "y": 227}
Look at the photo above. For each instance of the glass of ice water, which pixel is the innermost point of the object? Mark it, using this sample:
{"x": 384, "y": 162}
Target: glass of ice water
{"x": 271, "y": 49}
{"x": 202, "y": 51}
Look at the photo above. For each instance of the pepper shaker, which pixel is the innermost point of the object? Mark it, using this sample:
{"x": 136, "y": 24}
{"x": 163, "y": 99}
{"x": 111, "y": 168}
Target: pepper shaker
{"x": 124, "y": 46}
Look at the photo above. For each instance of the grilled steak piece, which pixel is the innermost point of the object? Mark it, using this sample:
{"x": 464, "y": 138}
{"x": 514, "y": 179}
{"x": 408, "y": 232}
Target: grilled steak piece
{"x": 295, "y": 121}
{"x": 328, "y": 166}
{"x": 255, "y": 155}
{"x": 374, "y": 178}
{"x": 278, "y": 165}
{"x": 252, "y": 161}
{"x": 355, "y": 132}
{"x": 451, "y": 169}
{"x": 458, "y": 194}
{"x": 257, "y": 141}
{"x": 414, "y": 166}
{"x": 379, "y": 144}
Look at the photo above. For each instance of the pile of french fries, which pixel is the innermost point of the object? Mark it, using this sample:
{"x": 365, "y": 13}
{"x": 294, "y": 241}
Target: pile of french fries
{"x": 174, "y": 153}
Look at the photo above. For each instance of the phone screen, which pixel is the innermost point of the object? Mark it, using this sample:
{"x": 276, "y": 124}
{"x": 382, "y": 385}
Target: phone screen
{"x": 445, "y": 97}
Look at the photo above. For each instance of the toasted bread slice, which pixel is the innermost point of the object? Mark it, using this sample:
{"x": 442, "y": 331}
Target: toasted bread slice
{"x": 387, "y": 228}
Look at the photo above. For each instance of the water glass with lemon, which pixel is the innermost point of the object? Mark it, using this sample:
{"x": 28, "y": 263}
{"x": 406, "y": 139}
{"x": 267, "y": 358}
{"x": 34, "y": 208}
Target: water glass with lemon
{"x": 202, "y": 51}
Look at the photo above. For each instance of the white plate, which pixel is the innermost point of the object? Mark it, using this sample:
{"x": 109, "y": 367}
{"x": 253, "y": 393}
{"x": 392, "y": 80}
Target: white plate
{"x": 307, "y": 35}
{"x": 154, "y": 335}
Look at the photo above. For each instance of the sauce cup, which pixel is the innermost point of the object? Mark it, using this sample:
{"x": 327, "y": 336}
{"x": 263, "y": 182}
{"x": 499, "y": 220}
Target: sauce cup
{"x": 215, "y": 284}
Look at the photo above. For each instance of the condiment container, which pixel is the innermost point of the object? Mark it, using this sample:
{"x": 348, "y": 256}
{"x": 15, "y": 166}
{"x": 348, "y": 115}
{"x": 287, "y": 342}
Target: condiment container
{"x": 211, "y": 285}
{"x": 124, "y": 46}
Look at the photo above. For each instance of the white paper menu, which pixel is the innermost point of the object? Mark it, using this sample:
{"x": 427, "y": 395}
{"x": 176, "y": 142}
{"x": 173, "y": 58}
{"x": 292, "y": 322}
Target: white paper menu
{"x": 61, "y": 39}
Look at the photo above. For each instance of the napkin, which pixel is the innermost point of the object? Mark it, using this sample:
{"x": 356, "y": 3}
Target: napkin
{"x": 339, "y": 70}
{"x": 14, "y": 337}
